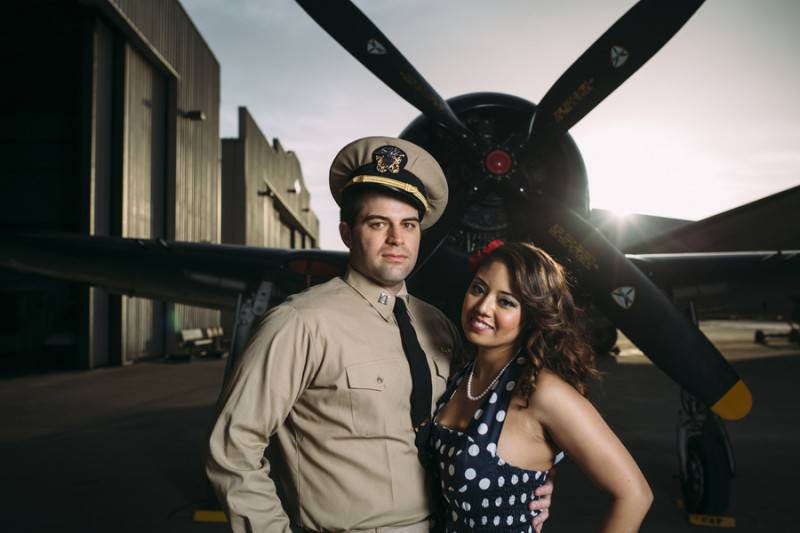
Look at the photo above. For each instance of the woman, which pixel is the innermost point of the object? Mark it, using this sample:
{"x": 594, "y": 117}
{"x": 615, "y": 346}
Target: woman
{"x": 507, "y": 416}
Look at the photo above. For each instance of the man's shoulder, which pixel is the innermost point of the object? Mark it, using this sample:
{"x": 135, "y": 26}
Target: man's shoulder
{"x": 320, "y": 298}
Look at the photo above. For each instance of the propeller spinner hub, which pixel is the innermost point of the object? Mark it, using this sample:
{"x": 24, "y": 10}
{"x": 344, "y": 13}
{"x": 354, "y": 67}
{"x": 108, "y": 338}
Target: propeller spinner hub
{"x": 498, "y": 162}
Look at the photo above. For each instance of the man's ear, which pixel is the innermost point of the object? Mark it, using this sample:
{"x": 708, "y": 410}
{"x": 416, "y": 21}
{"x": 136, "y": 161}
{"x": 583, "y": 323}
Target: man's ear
{"x": 344, "y": 233}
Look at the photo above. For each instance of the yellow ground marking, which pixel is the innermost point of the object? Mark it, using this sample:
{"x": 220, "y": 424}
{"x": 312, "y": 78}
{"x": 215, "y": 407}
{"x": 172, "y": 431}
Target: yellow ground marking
{"x": 712, "y": 521}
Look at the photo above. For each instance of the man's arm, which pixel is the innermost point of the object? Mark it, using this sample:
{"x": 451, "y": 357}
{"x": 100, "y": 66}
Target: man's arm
{"x": 274, "y": 369}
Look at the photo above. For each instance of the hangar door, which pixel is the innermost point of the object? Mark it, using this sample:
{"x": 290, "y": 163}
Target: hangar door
{"x": 143, "y": 191}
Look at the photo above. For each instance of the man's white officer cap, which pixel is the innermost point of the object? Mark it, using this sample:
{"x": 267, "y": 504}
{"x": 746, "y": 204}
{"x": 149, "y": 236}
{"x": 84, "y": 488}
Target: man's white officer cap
{"x": 396, "y": 165}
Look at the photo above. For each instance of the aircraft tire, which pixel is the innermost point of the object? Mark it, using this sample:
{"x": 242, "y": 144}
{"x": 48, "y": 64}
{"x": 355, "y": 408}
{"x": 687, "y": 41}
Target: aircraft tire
{"x": 706, "y": 489}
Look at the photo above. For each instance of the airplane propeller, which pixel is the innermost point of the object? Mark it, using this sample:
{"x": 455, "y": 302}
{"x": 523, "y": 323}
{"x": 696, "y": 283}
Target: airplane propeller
{"x": 636, "y": 306}
{"x": 604, "y": 66}
{"x": 358, "y": 35}
{"x": 621, "y": 291}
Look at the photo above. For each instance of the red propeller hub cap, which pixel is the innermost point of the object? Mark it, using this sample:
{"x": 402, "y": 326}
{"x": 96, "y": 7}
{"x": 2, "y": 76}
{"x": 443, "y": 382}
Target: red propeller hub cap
{"x": 498, "y": 162}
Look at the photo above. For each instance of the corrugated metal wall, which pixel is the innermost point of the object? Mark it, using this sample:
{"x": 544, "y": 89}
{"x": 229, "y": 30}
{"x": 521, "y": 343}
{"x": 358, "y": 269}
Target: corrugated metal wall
{"x": 265, "y": 201}
{"x": 194, "y": 197}
{"x": 269, "y": 168}
{"x": 143, "y": 191}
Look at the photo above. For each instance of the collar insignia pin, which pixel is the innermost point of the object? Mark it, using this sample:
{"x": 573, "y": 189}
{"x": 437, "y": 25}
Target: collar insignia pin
{"x": 383, "y": 298}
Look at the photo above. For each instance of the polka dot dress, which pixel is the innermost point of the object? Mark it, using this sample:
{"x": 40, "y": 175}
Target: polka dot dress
{"x": 481, "y": 491}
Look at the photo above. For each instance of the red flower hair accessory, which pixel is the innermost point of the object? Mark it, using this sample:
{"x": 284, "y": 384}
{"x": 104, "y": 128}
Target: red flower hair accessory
{"x": 477, "y": 258}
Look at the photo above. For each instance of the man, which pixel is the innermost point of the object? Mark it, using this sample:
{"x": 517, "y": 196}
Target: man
{"x": 330, "y": 371}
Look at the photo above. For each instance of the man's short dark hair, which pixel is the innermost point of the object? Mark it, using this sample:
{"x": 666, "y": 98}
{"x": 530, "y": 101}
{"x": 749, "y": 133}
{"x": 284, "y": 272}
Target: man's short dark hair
{"x": 353, "y": 200}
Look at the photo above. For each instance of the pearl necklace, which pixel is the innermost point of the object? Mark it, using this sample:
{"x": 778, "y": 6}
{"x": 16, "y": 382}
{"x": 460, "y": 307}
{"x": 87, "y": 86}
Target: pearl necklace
{"x": 489, "y": 387}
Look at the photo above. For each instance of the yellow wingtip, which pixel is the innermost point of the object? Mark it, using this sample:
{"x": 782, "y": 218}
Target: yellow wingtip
{"x": 735, "y": 404}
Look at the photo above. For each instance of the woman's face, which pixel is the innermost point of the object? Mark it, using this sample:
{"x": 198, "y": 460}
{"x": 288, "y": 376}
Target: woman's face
{"x": 491, "y": 315}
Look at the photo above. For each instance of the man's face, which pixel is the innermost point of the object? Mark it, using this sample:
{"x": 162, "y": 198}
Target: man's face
{"x": 384, "y": 240}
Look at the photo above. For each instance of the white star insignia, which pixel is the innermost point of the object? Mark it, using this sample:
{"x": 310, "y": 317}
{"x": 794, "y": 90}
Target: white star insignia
{"x": 375, "y": 47}
{"x": 624, "y": 296}
{"x": 618, "y": 56}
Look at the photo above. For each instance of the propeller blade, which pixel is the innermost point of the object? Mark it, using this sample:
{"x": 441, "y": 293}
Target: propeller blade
{"x": 358, "y": 35}
{"x": 618, "y": 53}
{"x": 636, "y": 306}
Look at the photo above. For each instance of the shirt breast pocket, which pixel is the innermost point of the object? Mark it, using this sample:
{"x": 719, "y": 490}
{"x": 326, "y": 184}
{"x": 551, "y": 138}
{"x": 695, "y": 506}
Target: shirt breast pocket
{"x": 376, "y": 397}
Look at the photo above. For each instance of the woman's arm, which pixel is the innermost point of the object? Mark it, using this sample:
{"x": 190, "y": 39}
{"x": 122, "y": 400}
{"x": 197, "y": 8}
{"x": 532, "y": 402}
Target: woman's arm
{"x": 579, "y": 430}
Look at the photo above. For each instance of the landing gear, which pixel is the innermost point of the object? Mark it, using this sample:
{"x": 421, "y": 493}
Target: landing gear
{"x": 706, "y": 459}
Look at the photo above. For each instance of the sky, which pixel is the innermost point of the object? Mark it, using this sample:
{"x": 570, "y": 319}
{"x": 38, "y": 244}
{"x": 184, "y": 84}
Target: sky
{"x": 709, "y": 123}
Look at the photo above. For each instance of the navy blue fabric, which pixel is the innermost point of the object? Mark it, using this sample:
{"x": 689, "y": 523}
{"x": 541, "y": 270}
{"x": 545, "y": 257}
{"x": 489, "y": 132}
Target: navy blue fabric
{"x": 481, "y": 491}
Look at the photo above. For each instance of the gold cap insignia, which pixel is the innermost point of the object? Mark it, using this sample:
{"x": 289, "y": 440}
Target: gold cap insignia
{"x": 389, "y": 159}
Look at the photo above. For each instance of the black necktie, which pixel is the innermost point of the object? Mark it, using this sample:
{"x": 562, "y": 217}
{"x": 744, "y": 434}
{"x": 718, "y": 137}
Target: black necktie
{"x": 420, "y": 374}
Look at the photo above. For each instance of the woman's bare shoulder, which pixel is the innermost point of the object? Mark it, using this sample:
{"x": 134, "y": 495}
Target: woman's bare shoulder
{"x": 552, "y": 393}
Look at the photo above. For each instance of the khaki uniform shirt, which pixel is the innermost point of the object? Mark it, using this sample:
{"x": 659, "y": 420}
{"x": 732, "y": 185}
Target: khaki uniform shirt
{"x": 326, "y": 372}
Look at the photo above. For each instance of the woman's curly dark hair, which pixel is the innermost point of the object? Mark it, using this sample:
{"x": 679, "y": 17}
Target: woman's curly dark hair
{"x": 552, "y": 335}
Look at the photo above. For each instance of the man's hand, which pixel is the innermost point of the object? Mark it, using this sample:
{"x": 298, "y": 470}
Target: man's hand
{"x": 543, "y": 496}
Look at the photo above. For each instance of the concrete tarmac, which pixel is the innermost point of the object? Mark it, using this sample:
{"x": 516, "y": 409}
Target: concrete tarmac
{"x": 121, "y": 449}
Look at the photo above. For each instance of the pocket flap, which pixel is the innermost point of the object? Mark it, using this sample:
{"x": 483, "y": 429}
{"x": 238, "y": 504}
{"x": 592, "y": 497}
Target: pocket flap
{"x": 370, "y": 375}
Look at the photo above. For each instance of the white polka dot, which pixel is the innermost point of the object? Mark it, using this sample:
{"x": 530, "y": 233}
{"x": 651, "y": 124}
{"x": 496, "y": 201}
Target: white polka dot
{"x": 478, "y": 413}
{"x": 510, "y": 385}
{"x": 509, "y": 520}
{"x": 559, "y": 457}
{"x": 493, "y": 397}
{"x": 522, "y": 518}
{"x": 438, "y": 442}
{"x": 496, "y": 521}
{"x": 484, "y": 520}
{"x": 465, "y": 506}
{"x": 484, "y": 483}
{"x": 443, "y": 448}
{"x": 534, "y": 512}
{"x": 485, "y": 503}
{"x": 538, "y": 475}
{"x": 499, "y": 501}
{"x": 451, "y": 489}
{"x": 512, "y": 500}
{"x": 514, "y": 479}
{"x": 474, "y": 450}
{"x": 451, "y": 451}
{"x": 441, "y": 465}
{"x": 471, "y": 523}
{"x": 501, "y": 415}
{"x": 501, "y": 481}
{"x": 483, "y": 429}
{"x": 500, "y": 461}
{"x": 520, "y": 360}
{"x": 525, "y": 478}
{"x": 455, "y": 516}
{"x": 491, "y": 448}
{"x": 470, "y": 473}
{"x": 523, "y": 497}
{"x": 459, "y": 452}
{"x": 451, "y": 470}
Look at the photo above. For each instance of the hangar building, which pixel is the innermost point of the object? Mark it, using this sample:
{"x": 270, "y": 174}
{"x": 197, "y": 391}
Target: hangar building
{"x": 109, "y": 125}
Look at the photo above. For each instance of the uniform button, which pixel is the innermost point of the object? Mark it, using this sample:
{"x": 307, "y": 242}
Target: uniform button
{"x": 380, "y": 379}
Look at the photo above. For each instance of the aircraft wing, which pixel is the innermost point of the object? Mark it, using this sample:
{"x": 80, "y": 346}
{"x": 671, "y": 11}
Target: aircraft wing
{"x": 726, "y": 283}
{"x": 207, "y": 275}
